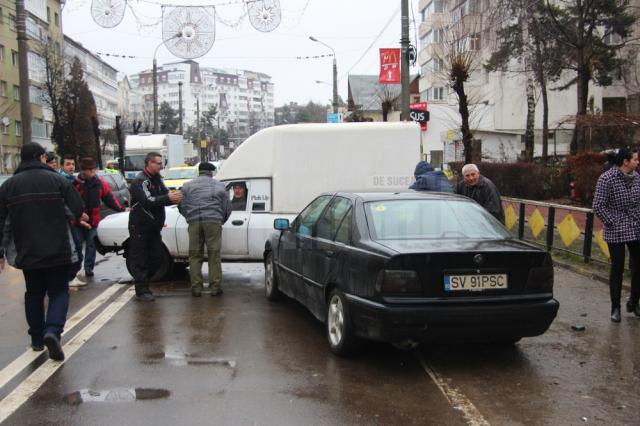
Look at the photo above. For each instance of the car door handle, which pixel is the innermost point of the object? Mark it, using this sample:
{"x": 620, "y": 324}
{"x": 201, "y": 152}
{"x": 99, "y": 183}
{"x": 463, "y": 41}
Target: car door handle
{"x": 237, "y": 222}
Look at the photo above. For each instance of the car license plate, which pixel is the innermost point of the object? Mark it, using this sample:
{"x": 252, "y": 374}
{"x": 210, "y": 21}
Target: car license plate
{"x": 476, "y": 282}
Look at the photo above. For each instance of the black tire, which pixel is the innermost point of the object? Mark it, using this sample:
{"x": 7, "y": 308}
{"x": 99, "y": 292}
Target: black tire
{"x": 340, "y": 336}
{"x": 271, "y": 282}
{"x": 163, "y": 267}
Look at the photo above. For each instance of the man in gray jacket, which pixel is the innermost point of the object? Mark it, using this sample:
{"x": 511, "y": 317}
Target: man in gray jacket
{"x": 206, "y": 207}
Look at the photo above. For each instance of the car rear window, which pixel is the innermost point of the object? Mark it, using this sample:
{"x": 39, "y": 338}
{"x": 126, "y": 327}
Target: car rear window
{"x": 432, "y": 219}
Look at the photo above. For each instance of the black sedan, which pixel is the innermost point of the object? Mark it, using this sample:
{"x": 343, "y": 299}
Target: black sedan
{"x": 409, "y": 267}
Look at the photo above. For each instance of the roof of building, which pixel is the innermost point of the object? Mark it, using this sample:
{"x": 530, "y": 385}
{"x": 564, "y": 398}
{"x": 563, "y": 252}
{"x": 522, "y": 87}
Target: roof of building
{"x": 366, "y": 91}
{"x": 78, "y": 45}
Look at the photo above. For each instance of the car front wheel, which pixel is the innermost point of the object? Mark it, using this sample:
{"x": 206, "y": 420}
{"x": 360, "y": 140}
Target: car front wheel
{"x": 342, "y": 340}
{"x": 271, "y": 284}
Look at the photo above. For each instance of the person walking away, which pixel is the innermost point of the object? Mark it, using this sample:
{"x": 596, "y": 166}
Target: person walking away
{"x": 617, "y": 204}
{"x": 428, "y": 179}
{"x": 206, "y": 207}
{"x": 34, "y": 204}
{"x": 93, "y": 190}
{"x": 481, "y": 190}
{"x": 149, "y": 196}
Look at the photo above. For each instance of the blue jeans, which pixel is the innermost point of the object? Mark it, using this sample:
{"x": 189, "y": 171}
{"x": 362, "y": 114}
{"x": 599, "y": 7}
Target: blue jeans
{"x": 54, "y": 283}
{"x": 90, "y": 251}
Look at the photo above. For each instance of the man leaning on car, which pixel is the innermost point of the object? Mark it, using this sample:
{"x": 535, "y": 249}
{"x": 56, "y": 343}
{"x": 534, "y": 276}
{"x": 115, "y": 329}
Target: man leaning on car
{"x": 206, "y": 207}
{"x": 481, "y": 190}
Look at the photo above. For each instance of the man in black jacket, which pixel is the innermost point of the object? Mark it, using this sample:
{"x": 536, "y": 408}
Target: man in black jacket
{"x": 149, "y": 196}
{"x": 36, "y": 205}
{"x": 481, "y": 190}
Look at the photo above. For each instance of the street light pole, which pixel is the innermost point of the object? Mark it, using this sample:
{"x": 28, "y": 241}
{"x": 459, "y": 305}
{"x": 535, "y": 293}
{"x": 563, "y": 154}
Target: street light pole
{"x": 335, "y": 73}
{"x": 155, "y": 82}
{"x": 404, "y": 60}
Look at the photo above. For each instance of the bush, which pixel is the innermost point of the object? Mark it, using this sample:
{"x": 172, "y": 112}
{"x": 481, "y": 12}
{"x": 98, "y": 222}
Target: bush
{"x": 523, "y": 180}
{"x": 585, "y": 169}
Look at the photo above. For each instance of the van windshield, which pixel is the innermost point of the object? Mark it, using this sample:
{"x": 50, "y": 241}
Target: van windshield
{"x": 134, "y": 162}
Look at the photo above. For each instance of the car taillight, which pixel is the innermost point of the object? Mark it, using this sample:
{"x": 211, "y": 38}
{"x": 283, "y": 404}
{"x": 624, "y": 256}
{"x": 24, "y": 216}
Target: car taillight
{"x": 400, "y": 282}
{"x": 541, "y": 277}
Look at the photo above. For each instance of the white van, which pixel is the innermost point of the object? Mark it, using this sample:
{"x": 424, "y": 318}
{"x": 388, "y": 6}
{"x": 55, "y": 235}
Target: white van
{"x": 283, "y": 169}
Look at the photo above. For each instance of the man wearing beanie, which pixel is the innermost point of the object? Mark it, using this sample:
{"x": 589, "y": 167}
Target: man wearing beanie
{"x": 206, "y": 207}
{"x": 36, "y": 237}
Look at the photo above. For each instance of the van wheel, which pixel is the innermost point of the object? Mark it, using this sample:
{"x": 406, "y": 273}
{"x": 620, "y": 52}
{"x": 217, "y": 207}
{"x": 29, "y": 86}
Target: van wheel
{"x": 162, "y": 264}
{"x": 271, "y": 284}
{"x": 342, "y": 340}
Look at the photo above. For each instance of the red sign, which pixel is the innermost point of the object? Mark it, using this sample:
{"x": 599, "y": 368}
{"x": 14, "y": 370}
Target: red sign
{"x": 420, "y": 114}
{"x": 390, "y": 66}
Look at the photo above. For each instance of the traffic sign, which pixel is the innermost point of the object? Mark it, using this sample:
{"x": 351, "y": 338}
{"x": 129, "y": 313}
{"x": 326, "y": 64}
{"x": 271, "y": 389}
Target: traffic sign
{"x": 334, "y": 117}
{"x": 420, "y": 114}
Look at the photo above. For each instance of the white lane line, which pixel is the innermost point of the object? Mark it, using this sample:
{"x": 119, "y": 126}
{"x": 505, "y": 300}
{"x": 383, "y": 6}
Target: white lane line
{"x": 31, "y": 384}
{"x": 16, "y": 366}
{"x": 456, "y": 398}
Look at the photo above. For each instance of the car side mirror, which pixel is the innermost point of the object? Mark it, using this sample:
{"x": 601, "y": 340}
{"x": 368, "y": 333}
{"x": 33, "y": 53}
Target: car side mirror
{"x": 281, "y": 224}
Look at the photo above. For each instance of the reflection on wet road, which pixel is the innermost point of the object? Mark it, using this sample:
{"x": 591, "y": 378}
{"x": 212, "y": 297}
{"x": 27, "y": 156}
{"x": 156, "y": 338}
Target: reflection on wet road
{"x": 239, "y": 359}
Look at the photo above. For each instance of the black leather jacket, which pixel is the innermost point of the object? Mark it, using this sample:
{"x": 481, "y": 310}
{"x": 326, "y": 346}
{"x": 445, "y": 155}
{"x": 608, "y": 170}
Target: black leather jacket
{"x": 149, "y": 196}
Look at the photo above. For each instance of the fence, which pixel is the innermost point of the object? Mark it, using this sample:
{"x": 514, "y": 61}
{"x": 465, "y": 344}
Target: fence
{"x": 569, "y": 229}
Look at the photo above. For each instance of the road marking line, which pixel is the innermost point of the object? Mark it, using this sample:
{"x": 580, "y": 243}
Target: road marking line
{"x": 456, "y": 398}
{"x": 16, "y": 366}
{"x": 31, "y": 384}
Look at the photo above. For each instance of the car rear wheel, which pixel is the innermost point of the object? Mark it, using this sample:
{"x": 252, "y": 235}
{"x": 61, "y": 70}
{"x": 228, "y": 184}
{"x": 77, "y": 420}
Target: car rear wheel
{"x": 271, "y": 284}
{"x": 342, "y": 340}
{"x": 162, "y": 264}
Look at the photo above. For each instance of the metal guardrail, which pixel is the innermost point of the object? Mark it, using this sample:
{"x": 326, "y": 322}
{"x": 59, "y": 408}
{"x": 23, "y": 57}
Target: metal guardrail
{"x": 550, "y": 242}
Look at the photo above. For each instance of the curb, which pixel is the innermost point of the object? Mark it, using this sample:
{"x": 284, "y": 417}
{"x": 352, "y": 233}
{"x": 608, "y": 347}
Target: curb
{"x": 587, "y": 273}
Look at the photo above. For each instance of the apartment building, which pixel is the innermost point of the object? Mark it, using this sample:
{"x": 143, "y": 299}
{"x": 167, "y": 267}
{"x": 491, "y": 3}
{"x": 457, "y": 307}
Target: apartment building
{"x": 243, "y": 98}
{"x": 101, "y": 78}
{"x": 498, "y": 99}
{"x": 44, "y": 26}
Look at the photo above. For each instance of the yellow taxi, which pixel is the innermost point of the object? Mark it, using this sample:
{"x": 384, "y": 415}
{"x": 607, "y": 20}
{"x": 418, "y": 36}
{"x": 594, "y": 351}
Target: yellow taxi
{"x": 175, "y": 177}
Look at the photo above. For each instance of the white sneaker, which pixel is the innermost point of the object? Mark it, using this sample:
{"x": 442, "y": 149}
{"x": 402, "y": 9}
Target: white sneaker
{"x": 77, "y": 282}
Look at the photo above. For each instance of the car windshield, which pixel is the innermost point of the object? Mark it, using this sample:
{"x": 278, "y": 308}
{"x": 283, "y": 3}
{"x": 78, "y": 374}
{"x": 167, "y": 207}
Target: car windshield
{"x": 432, "y": 219}
{"x": 179, "y": 174}
{"x": 134, "y": 162}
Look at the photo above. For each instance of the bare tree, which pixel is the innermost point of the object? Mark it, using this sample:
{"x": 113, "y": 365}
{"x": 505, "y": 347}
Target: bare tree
{"x": 388, "y": 100}
{"x": 55, "y": 95}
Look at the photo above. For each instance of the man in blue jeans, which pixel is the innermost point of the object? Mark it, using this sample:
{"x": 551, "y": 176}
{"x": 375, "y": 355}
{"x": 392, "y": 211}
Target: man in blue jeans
{"x": 93, "y": 190}
{"x": 35, "y": 236}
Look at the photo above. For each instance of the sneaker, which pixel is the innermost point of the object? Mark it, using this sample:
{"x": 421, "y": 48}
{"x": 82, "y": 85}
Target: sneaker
{"x": 77, "y": 282}
{"x": 215, "y": 293}
{"x": 88, "y": 274}
{"x": 52, "y": 342}
{"x": 37, "y": 348}
{"x": 145, "y": 297}
{"x": 196, "y": 293}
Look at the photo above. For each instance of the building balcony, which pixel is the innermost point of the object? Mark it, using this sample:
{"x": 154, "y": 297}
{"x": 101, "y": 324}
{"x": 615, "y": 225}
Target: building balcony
{"x": 434, "y": 21}
{"x": 470, "y": 23}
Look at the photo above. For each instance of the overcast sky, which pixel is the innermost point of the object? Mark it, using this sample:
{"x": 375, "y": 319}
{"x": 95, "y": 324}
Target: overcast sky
{"x": 351, "y": 27}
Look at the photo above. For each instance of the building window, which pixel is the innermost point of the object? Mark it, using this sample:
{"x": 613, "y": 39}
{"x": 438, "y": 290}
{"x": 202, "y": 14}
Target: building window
{"x": 56, "y": 19}
{"x": 3, "y": 89}
{"x": 438, "y": 36}
{"x": 5, "y": 129}
{"x": 12, "y": 22}
{"x": 438, "y": 6}
{"x": 18, "y": 128}
{"x": 16, "y": 93}
{"x": 14, "y": 57}
{"x": 1, "y": 52}
{"x": 38, "y": 128}
{"x": 474, "y": 42}
{"x": 48, "y": 14}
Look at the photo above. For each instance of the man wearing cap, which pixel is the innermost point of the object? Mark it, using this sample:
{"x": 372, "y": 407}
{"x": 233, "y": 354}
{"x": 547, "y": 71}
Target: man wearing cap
{"x": 239, "y": 201}
{"x": 51, "y": 160}
{"x": 93, "y": 190}
{"x": 206, "y": 207}
{"x": 36, "y": 204}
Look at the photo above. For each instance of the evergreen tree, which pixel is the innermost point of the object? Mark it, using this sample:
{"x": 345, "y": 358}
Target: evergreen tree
{"x": 168, "y": 118}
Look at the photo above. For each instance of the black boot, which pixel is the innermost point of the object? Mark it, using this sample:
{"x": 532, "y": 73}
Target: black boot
{"x": 615, "y": 314}
{"x": 633, "y": 307}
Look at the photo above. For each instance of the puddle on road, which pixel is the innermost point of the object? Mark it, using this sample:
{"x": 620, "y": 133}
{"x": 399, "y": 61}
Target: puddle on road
{"x": 115, "y": 395}
{"x": 182, "y": 359}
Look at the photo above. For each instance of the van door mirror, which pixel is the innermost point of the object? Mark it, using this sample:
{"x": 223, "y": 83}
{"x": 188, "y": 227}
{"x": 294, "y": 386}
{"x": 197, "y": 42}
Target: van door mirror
{"x": 281, "y": 224}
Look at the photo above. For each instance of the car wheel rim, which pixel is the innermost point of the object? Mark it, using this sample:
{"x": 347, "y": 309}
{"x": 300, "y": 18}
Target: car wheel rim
{"x": 336, "y": 321}
{"x": 269, "y": 278}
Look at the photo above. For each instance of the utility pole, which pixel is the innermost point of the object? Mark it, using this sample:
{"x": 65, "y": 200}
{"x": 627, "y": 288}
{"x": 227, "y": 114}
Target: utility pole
{"x": 120, "y": 145}
{"x": 180, "y": 107}
{"x": 23, "y": 71}
{"x": 404, "y": 60}
{"x": 155, "y": 95}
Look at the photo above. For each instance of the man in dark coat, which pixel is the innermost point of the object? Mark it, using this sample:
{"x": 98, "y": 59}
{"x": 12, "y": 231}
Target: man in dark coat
{"x": 37, "y": 204}
{"x": 149, "y": 196}
{"x": 428, "y": 179}
{"x": 481, "y": 190}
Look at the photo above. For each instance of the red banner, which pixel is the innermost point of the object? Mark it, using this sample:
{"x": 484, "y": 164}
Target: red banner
{"x": 390, "y": 66}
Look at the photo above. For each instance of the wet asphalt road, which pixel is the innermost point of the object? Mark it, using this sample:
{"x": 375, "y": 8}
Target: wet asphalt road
{"x": 241, "y": 360}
